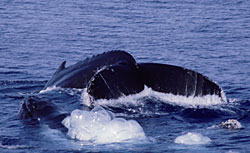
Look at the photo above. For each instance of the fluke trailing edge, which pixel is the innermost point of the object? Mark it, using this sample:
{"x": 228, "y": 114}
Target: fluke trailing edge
{"x": 113, "y": 74}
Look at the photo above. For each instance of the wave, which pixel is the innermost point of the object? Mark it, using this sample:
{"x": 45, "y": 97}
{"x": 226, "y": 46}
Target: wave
{"x": 17, "y": 82}
{"x": 13, "y": 147}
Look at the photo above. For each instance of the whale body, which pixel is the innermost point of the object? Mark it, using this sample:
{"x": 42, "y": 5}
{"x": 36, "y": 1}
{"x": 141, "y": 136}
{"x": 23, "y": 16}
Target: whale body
{"x": 114, "y": 74}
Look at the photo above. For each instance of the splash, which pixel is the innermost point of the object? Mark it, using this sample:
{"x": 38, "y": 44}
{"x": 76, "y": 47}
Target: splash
{"x": 190, "y": 102}
{"x": 192, "y": 139}
{"x": 100, "y": 126}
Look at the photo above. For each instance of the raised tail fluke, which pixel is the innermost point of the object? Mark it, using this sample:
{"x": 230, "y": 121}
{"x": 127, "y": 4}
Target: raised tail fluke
{"x": 116, "y": 80}
{"x": 178, "y": 81}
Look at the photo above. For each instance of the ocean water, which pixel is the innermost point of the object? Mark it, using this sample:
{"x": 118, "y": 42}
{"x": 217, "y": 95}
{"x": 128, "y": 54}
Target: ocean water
{"x": 208, "y": 36}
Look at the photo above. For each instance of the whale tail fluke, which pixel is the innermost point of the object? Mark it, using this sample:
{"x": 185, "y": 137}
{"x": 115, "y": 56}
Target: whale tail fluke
{"x": 114, "y": 81}
{"x": 123, "y": 79}
{"x": 116, "y": 73}
{"x": 177, "y": 80}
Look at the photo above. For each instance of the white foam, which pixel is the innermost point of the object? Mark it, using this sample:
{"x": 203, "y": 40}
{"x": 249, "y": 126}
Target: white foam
{"x": 100, "y": 126}
{"x": 85, "y": 98}
{"x": 70, "y": 91}
{"x": 192, "y": 139}
{"x": 231, "y": 151}
{"x": 208, "y": 100}
{"x": 13, "y": 147}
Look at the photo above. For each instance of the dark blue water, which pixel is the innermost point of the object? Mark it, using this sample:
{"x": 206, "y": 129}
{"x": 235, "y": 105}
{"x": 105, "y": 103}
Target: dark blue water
{"x": 208, "y": 36}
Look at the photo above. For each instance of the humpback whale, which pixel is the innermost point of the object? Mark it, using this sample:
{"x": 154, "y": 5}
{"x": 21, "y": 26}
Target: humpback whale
{"x": 116, "y": 73}
{"x": 113, "y": 74}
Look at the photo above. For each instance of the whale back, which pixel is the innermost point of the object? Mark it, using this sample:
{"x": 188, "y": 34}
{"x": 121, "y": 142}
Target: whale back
{"x": 54, "y": 77}
{"x": 79, "y": 74}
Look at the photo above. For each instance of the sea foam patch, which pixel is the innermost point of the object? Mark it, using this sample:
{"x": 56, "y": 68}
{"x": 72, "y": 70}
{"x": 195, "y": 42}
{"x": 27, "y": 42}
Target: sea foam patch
{"x": 100, "y": 126}
{"x": 192, "y": 139}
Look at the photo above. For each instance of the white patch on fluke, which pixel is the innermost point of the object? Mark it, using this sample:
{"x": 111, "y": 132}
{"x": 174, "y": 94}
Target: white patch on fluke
{"x": 100, "y": 126}
{"x": 192, "y": 139}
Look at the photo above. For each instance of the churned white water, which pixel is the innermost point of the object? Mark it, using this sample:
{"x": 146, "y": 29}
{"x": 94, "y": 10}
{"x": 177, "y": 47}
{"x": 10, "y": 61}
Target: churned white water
{"x": 101, "y": 126}
{"x": 207, "y": 100}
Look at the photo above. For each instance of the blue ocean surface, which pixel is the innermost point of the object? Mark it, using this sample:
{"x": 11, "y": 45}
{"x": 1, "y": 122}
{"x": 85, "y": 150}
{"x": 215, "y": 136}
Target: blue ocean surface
{"x": 209, "y": 36}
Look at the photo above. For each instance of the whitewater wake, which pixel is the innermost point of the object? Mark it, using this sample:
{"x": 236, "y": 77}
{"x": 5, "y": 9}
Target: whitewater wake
{"x": 179, "y": 100}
